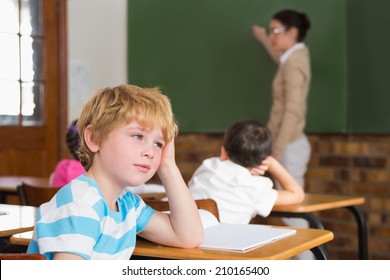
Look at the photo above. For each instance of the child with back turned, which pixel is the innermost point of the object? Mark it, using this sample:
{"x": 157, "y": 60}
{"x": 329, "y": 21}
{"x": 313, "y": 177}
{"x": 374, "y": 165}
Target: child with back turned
{"x": 127, "y": 135}
{"x": 235, "y": 181}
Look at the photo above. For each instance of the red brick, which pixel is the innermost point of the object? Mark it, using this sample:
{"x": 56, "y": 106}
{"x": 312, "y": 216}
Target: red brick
{"x": 320, "y": 173}
{"x": 334, "y": 161}
{"x": 349, "y": 175}
{"x": 377, "y": 176}
{"x": 370, "y": 189}
{"x": 351, "y": 148}
{"x": 380, "y": 232}
{"x": 379, "y": 245}
{"x": 314, "y": 160}
{"x": 377, "y": 203}
{"x": 374, "y": 218}
{"x": 380, "y": 148}
{"x": 387, "y": 205}
{"x": 325, "y": 148}
{"x": 378, "y": 162}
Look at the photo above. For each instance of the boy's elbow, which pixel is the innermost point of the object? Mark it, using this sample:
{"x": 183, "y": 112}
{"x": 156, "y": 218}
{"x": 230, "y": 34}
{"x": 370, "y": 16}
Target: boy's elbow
{"x": 193, "y": 241}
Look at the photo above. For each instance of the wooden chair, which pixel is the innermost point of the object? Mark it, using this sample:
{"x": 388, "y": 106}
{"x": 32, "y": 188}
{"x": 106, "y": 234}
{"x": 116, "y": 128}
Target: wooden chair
{"x": 22, "y": 256}
{"x": 205, "y": 204}
{"x": 35, "y": 195}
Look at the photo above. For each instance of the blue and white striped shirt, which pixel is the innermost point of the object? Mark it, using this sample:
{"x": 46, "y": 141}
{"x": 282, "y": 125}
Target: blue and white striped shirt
{"x": 77, "y": 220}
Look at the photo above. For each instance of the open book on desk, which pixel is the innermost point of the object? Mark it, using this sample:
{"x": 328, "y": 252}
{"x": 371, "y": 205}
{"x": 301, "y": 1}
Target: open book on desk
{"x": 238, "y": 237}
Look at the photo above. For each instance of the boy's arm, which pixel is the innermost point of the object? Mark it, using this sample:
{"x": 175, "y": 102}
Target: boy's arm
{"x": 291, "y": 191}
{"x": 182, "y": 227}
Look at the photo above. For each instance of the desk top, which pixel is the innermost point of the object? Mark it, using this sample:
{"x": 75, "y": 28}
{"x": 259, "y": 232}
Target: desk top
{"x": 318, "y": 202}
{"x": 16, "y": 218}
{"x": 10, "y": 183}
{"x": 282, "y": 249}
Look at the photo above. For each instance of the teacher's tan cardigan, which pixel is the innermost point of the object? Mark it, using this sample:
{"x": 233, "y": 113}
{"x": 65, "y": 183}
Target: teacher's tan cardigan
{"x": 289, "y": 98}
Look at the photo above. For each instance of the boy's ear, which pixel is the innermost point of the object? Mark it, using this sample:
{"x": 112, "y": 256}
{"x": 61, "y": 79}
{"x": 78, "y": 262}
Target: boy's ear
{"x": 224, "y": 154}
{"x": 88, "y": 138}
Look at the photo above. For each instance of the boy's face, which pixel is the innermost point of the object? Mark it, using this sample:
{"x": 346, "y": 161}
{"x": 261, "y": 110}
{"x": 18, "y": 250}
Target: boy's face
{"x": 131, "y": 155}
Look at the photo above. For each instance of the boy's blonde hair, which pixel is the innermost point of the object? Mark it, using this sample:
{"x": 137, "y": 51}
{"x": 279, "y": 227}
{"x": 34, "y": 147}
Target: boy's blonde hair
{"x": 111, "y": 108}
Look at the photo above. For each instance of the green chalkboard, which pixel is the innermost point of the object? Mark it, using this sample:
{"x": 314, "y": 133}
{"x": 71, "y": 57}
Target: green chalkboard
{"x": 203, "y": 56}
{"x": 368, "y": 67}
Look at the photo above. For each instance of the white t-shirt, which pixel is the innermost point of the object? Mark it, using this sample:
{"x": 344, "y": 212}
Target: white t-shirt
{"x": 239, "y": 195}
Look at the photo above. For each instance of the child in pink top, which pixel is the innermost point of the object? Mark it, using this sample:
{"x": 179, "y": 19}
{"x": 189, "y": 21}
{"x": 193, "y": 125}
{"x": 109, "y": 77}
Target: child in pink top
{"x": 68, "y": 169}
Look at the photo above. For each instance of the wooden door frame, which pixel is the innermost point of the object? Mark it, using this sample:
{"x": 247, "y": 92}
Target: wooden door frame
{"x": 46, "y": 141}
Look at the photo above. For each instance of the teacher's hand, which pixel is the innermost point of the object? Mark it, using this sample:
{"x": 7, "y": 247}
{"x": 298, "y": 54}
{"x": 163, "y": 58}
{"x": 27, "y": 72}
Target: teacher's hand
{"x": 258, "y": 32}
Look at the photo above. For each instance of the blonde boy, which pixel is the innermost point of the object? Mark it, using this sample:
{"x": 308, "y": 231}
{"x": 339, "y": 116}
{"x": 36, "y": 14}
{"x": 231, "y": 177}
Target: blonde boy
{"x": 127, "y": 134}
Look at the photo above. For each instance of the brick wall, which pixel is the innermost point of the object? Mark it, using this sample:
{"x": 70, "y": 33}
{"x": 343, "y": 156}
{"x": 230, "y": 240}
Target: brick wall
{"x": 340, "y": 164}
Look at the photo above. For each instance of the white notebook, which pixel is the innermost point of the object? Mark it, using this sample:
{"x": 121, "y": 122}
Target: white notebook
{"x": 238, "y": 237}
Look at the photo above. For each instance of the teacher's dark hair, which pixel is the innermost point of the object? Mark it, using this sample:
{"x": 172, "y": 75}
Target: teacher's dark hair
{"x": 292, "y": 18}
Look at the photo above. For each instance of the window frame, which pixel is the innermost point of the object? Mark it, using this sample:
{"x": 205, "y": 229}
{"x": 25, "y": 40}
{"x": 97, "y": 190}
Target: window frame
{"x": 34, "y": 150}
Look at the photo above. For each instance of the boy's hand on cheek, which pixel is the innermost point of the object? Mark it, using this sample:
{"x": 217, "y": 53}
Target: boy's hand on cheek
{"x": 168, "y": 171}
{"x": 168, "y": 155}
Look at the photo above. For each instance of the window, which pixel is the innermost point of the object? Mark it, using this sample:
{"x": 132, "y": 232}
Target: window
{"x": 33, "y": 86}
{"x": 22, "y": 87}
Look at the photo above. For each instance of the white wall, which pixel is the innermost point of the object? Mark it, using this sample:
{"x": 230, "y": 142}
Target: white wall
{"x": 97, "y": 48}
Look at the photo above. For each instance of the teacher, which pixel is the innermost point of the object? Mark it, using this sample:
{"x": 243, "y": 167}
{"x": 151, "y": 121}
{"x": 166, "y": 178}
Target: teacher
{"x": 285, "y": 44}
{"x": 287, "y": 31}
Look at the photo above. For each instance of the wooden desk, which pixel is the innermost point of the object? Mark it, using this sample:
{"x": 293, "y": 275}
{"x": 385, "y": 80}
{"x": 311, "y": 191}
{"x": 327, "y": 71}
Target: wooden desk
{"x": 283, "y": 249}
{"x": 9, "y": 184}
{"x": 22, "y": 238}
{"x": 18, "y": 219}
{"x": 286, "y": 248}
{"x": 321, "y": 202}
